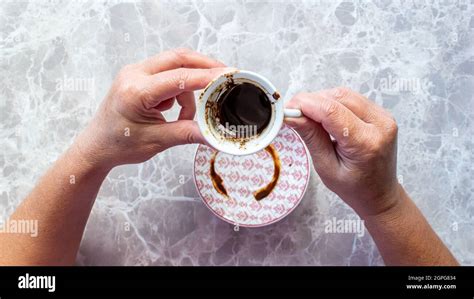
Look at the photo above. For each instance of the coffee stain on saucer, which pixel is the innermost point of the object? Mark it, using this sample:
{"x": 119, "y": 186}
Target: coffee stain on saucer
{"x": 216, "y": 179}
{"x": 261, "y": 193}
{"x": 266, "y": 190}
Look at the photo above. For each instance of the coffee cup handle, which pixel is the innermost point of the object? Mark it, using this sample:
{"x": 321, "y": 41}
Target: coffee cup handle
{"x": 292, "y": 113}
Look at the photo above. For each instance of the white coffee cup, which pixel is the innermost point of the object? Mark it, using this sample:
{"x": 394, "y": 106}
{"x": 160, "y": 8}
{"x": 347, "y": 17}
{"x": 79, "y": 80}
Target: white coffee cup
{"x": 214, "y": 135}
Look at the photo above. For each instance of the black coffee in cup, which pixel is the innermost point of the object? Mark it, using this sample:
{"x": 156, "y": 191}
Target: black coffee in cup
{"x": 244, "y": 109}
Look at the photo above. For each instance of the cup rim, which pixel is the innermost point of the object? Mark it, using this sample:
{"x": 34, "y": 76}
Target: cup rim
{"x": 233, "y": 149}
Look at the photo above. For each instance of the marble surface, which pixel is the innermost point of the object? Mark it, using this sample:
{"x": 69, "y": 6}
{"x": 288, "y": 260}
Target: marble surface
{"x": 415, "y": 58}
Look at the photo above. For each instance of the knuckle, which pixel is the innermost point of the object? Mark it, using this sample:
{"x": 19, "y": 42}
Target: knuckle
{"x": 190, "y": 138}
{"x": 126, "y": 70}
{"x": 146, "y": 97}
{"x": 389, "y": 129}
{"x": 369, "y": 143}
{"x": 124, "y": 80}
{"x": 300, "y": 97}
{"x": 378, "y": 141}
{"x": 187, "y": 134}
{"x": 380, "y": 144}
{"x": 331, "y": 109}
{"x": 341, "y": 92}
{"x": 129, "y": 90}
{"x": 181, "y": 52}
{"x": 377, "y": 148}
{"x": 179, "y": 79}
{"x": 392, "y": 126}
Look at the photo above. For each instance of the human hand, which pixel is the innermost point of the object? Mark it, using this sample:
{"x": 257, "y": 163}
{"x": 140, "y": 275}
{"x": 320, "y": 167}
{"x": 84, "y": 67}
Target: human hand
{"x": 360, "y": 165}
{"x": 129, "y": 126}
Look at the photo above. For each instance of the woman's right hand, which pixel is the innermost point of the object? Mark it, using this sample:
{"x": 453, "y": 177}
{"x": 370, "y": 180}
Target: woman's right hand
{"x": 360, "y": 164}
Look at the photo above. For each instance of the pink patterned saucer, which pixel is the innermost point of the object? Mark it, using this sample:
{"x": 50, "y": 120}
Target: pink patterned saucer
{"x": 249, "y": 191}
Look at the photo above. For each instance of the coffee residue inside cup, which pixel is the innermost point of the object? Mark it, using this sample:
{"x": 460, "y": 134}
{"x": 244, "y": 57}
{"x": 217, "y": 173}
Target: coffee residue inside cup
{"x": 244, "y": 106}
{"x": 261, "y": 193}
{"x": 239, "y": 110}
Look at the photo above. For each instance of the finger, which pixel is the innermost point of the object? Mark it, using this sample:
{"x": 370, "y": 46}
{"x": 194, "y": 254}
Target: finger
{"x": 340, "y": 122}
{"x": 188, "y": 105}
{"x": 165, "y": 105}
{"x": 317, "y": 141}
{"x": 178, "y": 58}
{"x": 365, "y": 109}
{"x": 171, "y": 83}
{"x": 178, "y": 132}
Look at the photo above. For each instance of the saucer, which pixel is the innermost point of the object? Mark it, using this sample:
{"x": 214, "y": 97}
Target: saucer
{"x": 232, "y": 197}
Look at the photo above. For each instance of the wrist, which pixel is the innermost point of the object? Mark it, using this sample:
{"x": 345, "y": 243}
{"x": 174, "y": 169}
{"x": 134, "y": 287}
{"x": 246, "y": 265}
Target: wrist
{"x": 395, "y": 200}
{"x": 88, "y": 153}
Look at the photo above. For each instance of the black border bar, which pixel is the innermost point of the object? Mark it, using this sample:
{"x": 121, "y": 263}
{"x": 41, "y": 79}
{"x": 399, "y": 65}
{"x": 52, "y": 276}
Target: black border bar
{"x": 291, "y": 282}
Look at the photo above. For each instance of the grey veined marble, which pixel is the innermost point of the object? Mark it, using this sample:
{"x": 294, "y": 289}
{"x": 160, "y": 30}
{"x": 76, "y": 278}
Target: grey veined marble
{"x": 415, "y": 58}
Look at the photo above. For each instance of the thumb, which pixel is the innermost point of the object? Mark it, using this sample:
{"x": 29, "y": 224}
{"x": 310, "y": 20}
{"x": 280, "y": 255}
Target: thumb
{"x": 317, "y": 141}
{"x": 179, "y": 132}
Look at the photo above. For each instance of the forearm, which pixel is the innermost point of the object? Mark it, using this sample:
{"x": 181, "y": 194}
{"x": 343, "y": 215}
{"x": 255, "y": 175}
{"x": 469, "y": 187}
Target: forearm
{"x": 404, "y": 237}
{"x": 60, "y": 203}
